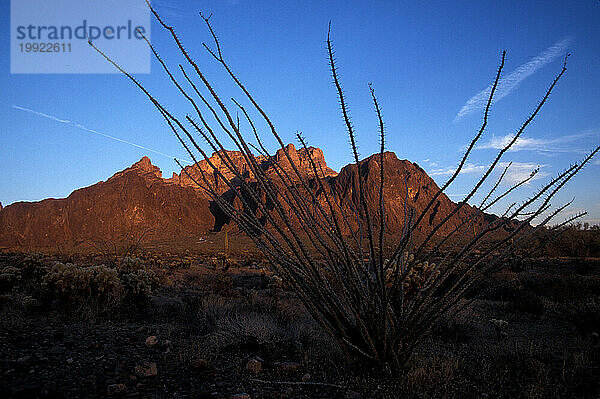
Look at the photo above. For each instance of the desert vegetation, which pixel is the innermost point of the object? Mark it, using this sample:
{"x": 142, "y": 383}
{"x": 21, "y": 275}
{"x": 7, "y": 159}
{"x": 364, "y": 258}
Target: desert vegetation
{"x": 529, "y": 330}
{"x": 376, "y": 303}
{"x": 303, "y": 293}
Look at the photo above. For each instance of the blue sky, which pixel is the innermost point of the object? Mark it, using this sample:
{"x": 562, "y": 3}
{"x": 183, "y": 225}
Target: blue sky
{"x": 428, "y": 61}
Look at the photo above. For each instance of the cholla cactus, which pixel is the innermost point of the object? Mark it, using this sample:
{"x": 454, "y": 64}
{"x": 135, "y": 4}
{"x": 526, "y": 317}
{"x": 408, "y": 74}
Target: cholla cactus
{"x": 499, "y": 324}
{"x": 33, "y": 267}
{"x": 73, "y": 281}
{"x": 132, "y": 263}
{"x": 139, "y": 283}
{"x": 68, "y": 278}
{"x": 274, "y": 281}
{"x": 106, "y": 280}
{"x": 34, "y": 259}
{"x": 415, "y": 276}
{"x": 418, "y": 277}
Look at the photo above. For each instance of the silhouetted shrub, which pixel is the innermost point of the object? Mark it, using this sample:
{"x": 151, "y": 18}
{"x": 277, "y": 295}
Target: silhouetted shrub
{"x": 375, "y": 303}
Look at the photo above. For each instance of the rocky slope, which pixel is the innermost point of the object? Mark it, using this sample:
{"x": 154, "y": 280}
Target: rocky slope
{"x": 138, "y": 202}
{"x": 134, "y": 202}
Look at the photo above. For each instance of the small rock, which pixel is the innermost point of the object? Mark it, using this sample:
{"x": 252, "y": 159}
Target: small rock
{"x": 306, "y": 377}
{"x": 151, "y": 341}
{"x": 115, "y": 389}
{"x": 70, "y": 360}
{"x": 288, "y": 367}
{"x": 254, "y": 366}
{"x": 23, "y": 361}
{"x": 31, "y": 303}
{"x": 352, "y": 395}
{"x": 146, "y": 369}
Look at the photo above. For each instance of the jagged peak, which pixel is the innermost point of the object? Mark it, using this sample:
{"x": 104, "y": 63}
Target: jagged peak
{"x": 145, "y": 165}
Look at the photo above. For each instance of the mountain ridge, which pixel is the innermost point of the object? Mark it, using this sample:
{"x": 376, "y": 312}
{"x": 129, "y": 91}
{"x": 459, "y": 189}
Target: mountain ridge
{"x": 140, "y": 201}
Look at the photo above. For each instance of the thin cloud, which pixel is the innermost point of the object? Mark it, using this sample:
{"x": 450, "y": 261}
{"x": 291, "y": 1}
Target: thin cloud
{"x": 81, "y": 127}
{"x": 560, "y": 144}
{"x": 172, "y": 9}
{"x": 511, "y": 81}
{"x": 54, "y": 118}
{"x": 520, "y": 171}
{"x": 517, "y": 172}
{"x": 430, "y": 163}
{"x": 466, "y": 169}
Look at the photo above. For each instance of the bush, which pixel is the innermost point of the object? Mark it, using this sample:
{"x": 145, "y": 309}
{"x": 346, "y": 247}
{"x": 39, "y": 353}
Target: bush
{"x": 101, "y": 285}
{"x": 75, "y": 283}
{"x": 139, "y": 284}
{"x": 33, "y": 269}
{"x": 376, "y": 321}
{"x": 220, "y": 282}
{"x": 130, "y": 263}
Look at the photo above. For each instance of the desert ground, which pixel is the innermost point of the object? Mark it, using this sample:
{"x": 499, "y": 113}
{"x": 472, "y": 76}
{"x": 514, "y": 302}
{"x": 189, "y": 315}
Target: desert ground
{"x": 156, "y": 324}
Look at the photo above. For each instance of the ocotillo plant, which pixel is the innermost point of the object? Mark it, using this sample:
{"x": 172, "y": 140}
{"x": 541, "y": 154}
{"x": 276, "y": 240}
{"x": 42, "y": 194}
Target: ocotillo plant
{"x": 376, "y": 304}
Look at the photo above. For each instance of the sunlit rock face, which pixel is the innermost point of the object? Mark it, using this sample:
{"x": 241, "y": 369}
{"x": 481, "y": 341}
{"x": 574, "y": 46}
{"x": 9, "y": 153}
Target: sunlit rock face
{"x": 139, "y": 201}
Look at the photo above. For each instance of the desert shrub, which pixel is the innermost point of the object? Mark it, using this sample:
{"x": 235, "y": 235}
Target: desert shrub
{"x": 418, "y": 277}
{"x": 251, "y": 281}
{"x": 131, "y": 263}
{"x": 435, "y": 373}
{"x": 139, "y": 284}
{"x": 587, "y": 267}
{"x": 34, "y": 267}
{"x": 75, "y": 283}
{"x": 517, "y": 296}
{"x": 220, "y": 282}
{"x": 377, "y": 318}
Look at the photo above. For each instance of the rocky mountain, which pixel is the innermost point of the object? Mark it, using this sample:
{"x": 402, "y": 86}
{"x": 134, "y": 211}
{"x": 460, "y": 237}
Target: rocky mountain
{"x": 138, "y": 202}
{"x": 300, "y": 158}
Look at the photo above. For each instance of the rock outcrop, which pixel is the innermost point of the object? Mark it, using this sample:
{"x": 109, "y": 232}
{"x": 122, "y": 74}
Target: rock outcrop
{"x": 138, "y": 201}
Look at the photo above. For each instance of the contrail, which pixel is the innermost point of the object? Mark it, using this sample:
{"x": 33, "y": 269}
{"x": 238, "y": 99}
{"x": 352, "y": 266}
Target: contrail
{"x": 509, "y": 83}
{"x": 81, "y": 127}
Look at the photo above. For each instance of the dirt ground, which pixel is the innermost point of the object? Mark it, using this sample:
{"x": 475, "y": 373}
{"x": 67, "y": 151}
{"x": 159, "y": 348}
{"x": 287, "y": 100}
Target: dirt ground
{"x": 214, "y": 329}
